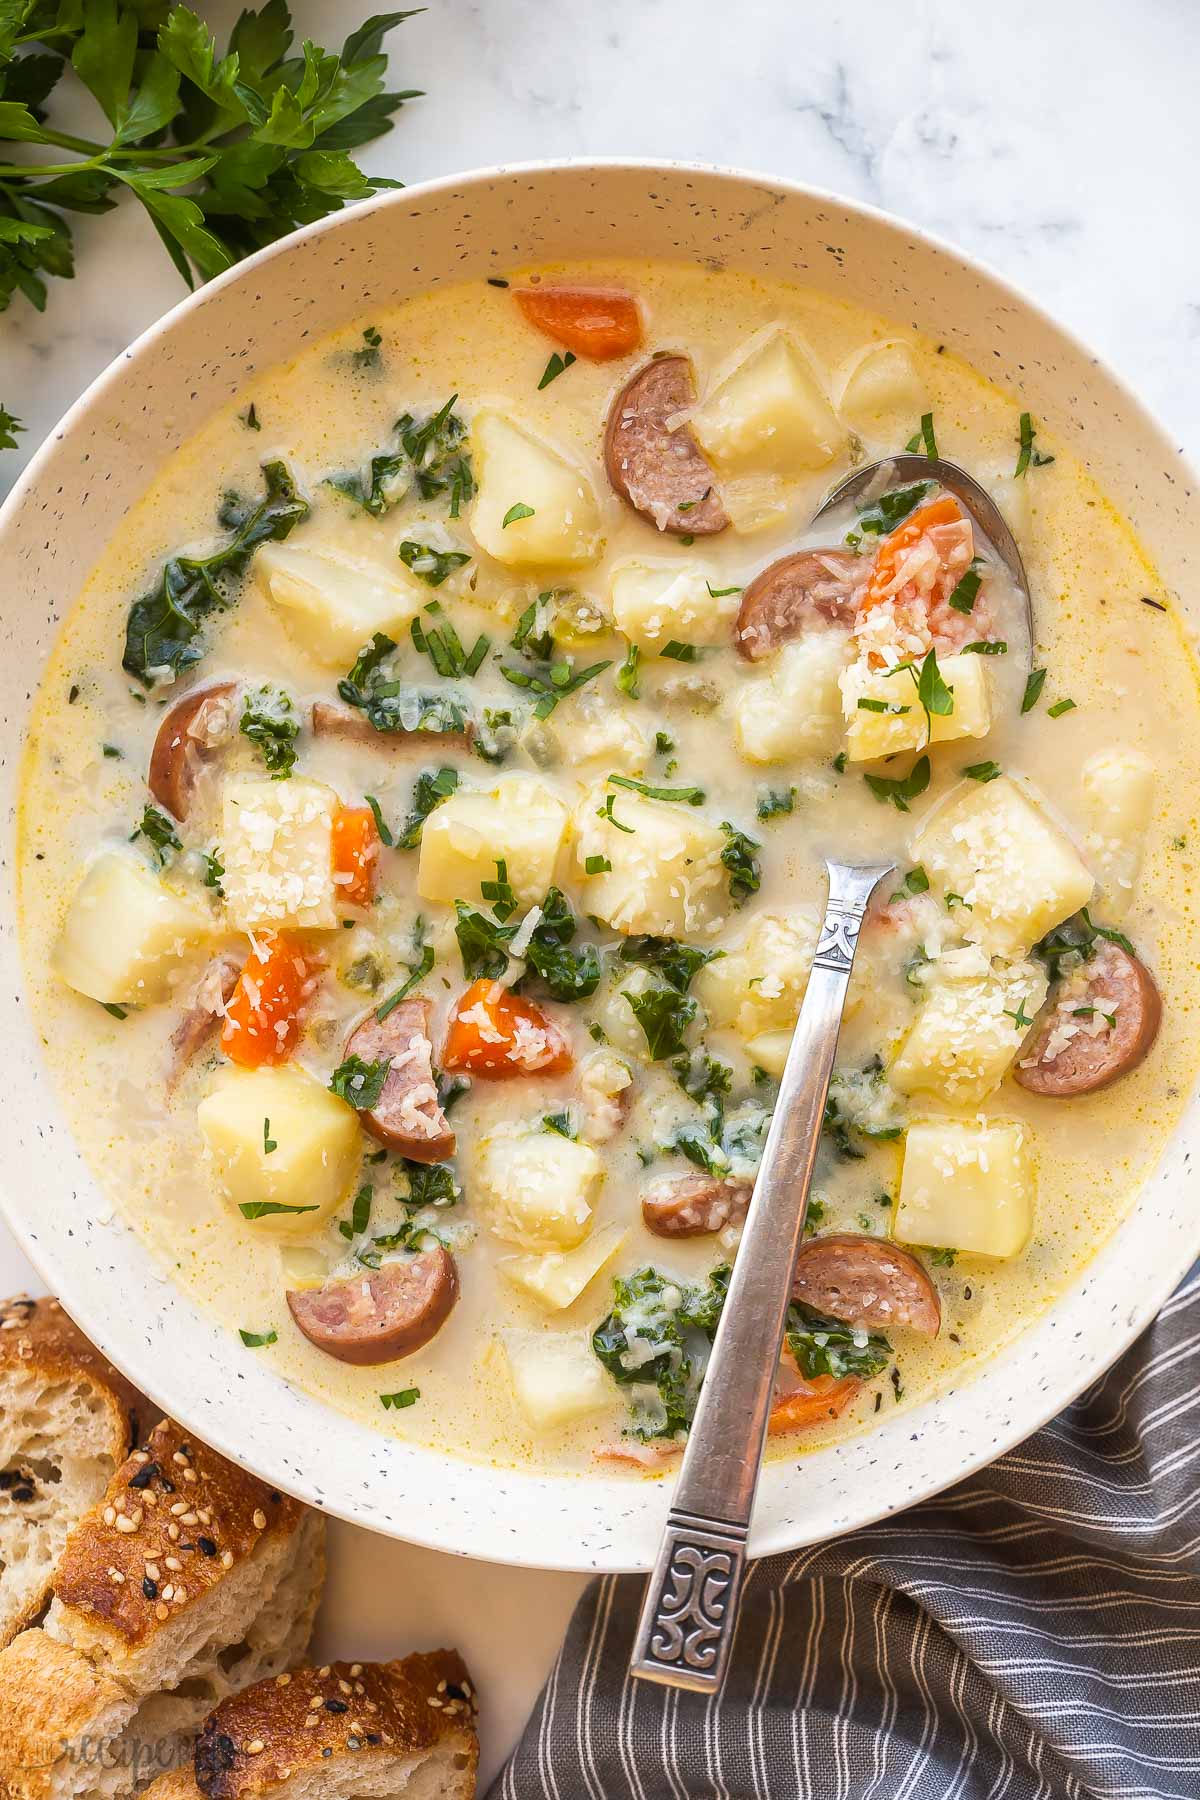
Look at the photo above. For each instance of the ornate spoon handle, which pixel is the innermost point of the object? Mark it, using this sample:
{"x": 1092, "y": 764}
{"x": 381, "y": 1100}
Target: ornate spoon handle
{"x": 690, "y": 1610}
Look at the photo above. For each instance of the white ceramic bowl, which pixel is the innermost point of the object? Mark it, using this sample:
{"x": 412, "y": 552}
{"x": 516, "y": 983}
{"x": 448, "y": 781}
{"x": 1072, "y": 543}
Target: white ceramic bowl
{"x": 75, "y": 494}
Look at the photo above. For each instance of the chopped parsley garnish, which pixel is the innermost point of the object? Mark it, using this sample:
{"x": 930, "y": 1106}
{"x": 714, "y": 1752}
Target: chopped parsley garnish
{"x": 923, "y": 440}
{"x": 1029, "y": 456}
{"x": 1059, "y": 708}
{"x": 1035, "y": 681}
{"x": 160, "y": 834}
{"x": 627, "y": 674}
{"x": 269, "y": 721}
{"x": 596, "y": 865}
{"x": 269, "y": 1142}
{"x": 360, "y": 1083}
{"x": 897, "y": 791}
{"x": 368, "y": 356}
{"x": 688, "y": 796}
{"x": 606, "y": 812}
{"x": 443, "y": 646}
{"x": 416, "y": 974}
{"x": 559, "y": 680}
{"x": 387, "y": 480}
{"x": 561, "y": 1123}
{"x": 890, "y": 510}
{"x": 1021, "y": 1019}
{"x": 114, "y": 1011}
{"x": 515, "y": 513}
{"x": 360, "y": 1213}
{"x": 554, "y": 368}
{"x": 965, "y": 594}
{"x": 745, "y": 870}
{"x": 434, "y": 448}
{"x": 256, "y": 1340}
{"x": 915, "y": 882}
{"x": 391, "y": 707}
{"x": 840, "y": 761}
{"x": 943, "y": 1258}
{"x": 982, "y": 771}
{"x": 773, "y": 802}
{"x": 1073, "y": 942}
{"x": 721, "y": 593}
{"x": 264, "y": 1209}
{"x": 399, "y": 1400}
{"x": 385, "y": 833}
{"x": 866, "y": 704}
{"x": 674, "y": 651}
{"x": 986, "y": 647}
{"x": 163, "y": 627}
{"x": 431, "y": 564}
{"x": 250, "y": 418}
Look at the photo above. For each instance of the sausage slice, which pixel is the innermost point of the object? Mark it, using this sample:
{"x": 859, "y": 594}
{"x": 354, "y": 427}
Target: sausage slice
{"x": 381, "y": 1314}
{"x": 866, "y": 1282}
{"x": 810, "y": 587}
{"x": 213, "y": 992}
{"x": 407, "y": 1116}
{"x": 191, "y": 733}
{"x": 690, "y": 1205}
{"x": 1076, "y": 1050}
{"x": 656, "y": 464}
{"x": 352, "y": 728}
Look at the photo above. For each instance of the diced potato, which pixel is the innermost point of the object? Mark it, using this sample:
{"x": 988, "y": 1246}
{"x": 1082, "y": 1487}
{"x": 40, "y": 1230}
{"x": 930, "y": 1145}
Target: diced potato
{"x": 1118, "y": 788}
{"x": 556, "y": 1377}
{"x": 666, "y": 876}
{"x": 535, "y": 1188}
{"x": 795, "y": 710}
{"x": 614, "y": 1014}
{"x": 513, "y": 471}
{"x": 758, "y": 986}
{"x": 966, "y": 1186}
{"x": 769, "y": 413}
{"x": 598, "y": 731}
{"x": 558, "y": 1277}
{"x": 333, "y": 603}
{"x": 605, "y": 1080}
{"x": 314, "y": 1138}
{"x": 769, "y": 1051}
{"x": 519, "y": 822}
{"x": 125, "y": 933}
{"x": 277, "y": 847}
{"x": 971, "y": 1025}
{"x": 880, "y": 385}
{"x": 871, "y": 734}
{"x": 658, "y": 603}
{"x": 1016, "y": 873}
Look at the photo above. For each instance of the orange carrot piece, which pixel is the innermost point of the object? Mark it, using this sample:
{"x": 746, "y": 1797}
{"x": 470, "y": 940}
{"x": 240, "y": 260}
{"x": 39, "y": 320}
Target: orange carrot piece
{"x": 355, "y": 853}
{"x": 495, "y": 1033}
{"x": 262, "y": 1019}
{"x": 598, "y": 323}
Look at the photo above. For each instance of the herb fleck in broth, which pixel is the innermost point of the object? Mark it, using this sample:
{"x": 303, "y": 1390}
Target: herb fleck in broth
{"x": 659, "y": 740}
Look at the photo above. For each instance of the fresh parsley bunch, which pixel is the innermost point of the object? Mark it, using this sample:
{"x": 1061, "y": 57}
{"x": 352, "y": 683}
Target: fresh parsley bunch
{"x": 226, "y": 153}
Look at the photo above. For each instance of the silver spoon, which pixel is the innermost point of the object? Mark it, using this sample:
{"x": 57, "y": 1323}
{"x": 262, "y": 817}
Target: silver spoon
{"x": 895, "y": 471}
{"x": 690, "y": 1609}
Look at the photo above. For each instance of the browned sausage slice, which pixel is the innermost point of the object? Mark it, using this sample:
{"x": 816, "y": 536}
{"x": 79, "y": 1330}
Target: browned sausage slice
{"x": 866, "y": 1282}
{"x": 408, "y": 1116}
{"x": 192, "y": 731}
{"x": 690, "y": 1205}
{"x": 810, "y": 587}
{"x": 1076, "y": 1049}
{"x": 653, "y": 461}
{"x": 381, "y": 1314}
{"x": 213, "y": 993}
{"x": 353, "y": 728}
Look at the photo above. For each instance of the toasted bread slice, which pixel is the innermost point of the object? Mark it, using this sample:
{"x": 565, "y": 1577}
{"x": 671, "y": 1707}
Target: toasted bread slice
{"x": 211, "y": 1584}
{"x": 67, "y": 1420}
{"x": 369, "y": 1729}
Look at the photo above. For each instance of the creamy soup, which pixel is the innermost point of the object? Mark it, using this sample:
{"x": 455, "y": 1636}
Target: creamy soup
{"x": 422, "y": 859}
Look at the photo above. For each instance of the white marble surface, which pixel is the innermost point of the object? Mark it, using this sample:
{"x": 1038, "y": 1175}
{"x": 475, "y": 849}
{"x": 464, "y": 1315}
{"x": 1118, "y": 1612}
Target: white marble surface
{"x": 1056, "y": 139}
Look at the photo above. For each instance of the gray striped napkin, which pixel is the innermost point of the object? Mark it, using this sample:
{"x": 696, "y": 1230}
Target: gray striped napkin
{"x": 1033, "y": 1634}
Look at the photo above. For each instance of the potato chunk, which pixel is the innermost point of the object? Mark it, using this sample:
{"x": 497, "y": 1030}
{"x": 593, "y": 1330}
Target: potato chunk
{"x": 966, "y": 1186}
{"x": 555, "y": 1376}
{"x": 279, "y": 1136}
{"x": 514, "y": 471}
{"x": 332, "y": 603}
{"x": 655, "y": 604}
{"x": 1118, "y": 789}
{"x": 973, "y": 1021}
{"x": 1015, "y": 871}
{"x": 125, "y": 933}
{"x": 277, "y": 847}
{"x": 871, "y": 734}
{"x": 757, "y": 987}
{"x": 881, "y": 384}
{"x": 535, "y": 1188}
{"x": 666, "y": 876}
{"x": 795, "y": 711}
{"x": 558, "y": 1277}
{"x": 769, "y": 413}
{"x": 519, "y": 822}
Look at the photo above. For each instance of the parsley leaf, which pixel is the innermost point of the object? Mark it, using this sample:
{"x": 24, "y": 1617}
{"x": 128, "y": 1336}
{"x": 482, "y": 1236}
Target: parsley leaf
{"x": 898, "y": 791}
{"x": 1028, "y": 455}
{"x": 923, "y": 440}
{"x": 431, "y": 564}
{"x": 1035, "y": 681}
{"x": 431, "y": 788}
{"x": 360, "y": 1083}
{"x": 160, "y": 834}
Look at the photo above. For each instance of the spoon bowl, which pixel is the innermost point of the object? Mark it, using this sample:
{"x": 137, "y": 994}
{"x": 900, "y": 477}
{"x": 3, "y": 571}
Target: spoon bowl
{"x": 894, "y": 471}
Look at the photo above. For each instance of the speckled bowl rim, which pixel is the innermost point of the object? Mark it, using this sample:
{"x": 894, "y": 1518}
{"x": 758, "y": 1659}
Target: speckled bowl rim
{"x": 570, "y": 1522}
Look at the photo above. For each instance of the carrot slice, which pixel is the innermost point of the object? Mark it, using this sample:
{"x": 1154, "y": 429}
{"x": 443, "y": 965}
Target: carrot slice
{"x": 262, "y": 1019}
{"x": 826, "y": 1397}
{"x": 943, "y": 511}
{"x": 598, "y": 323}
{"x": 355, "y": 853}
{"x": 495, "y": 1033}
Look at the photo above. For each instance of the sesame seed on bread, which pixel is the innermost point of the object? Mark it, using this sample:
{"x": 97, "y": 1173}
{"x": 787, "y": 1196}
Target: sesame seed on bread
{"x": 382, "y": 1729}
{"x": 67, "y": 1420}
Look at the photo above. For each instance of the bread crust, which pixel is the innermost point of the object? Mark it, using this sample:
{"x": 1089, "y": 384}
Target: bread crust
{"x": 259, "y": 1739}
{"x": 182, "y": 1504}
{"x": 49, "y": 1697}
